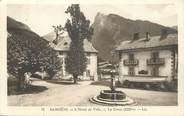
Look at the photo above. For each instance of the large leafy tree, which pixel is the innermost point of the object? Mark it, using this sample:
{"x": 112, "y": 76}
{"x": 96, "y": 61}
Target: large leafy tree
{"x": 78, "y": 28}
{"x": 28, "y": 52}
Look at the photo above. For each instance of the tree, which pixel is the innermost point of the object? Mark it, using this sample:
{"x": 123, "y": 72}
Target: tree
{"x": 78, "y": 28}
{"x": 59, "y": 30}
{"x": 28, "y": 52}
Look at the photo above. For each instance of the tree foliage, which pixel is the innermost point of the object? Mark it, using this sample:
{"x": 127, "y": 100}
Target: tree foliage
{"x": 78, "y": 28}
{"x": 59, "y": 30}
{"x": 28, "y": 52}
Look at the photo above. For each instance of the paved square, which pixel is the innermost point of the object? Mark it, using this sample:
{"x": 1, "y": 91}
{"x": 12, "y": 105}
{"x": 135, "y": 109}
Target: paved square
{"x": 78, "y": 95}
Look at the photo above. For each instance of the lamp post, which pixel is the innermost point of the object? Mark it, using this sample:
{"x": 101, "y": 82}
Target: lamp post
{"x": 113, "y": 72}
{"x": 113, "y": 82}
{"x": 113, "y": 96}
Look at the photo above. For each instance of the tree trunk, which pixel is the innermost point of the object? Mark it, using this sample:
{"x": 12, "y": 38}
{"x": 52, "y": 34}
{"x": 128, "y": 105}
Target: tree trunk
{"x": 20, "y": 81}
{"x": 75, "y": 78}
{"x": 19, "y": 84}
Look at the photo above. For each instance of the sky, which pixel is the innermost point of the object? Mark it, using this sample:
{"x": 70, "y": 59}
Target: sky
{"x": 41, "y": 17}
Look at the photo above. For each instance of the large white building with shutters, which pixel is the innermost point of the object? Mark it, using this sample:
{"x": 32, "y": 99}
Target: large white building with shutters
{"x": 149, "y": 59}
{"x": 62, "y": 47}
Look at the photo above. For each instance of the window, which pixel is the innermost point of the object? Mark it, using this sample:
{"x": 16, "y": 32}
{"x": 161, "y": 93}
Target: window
{"x": 131, "y": 71}
{"x": 154, "y": 55}
{"x": 131, "y": 56}
{"x": 155, "y": 71}
{"x": 60, "y": 53}
{"x": 65, "y": 43}
{"x": 88, "y": 60}
{"x": 62, "y": 60}
{"x": 87, "y": 54}
{"x": 87, "y": 73}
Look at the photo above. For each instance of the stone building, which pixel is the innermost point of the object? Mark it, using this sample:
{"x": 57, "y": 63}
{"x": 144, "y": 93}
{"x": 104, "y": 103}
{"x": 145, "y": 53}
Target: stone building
{"x": 149, "y": 59}
{"x": 62, "y": 47}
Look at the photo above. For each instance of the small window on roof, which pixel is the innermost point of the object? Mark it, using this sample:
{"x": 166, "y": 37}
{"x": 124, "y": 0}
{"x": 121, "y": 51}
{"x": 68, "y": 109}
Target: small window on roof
{"x": 65, "y": 43}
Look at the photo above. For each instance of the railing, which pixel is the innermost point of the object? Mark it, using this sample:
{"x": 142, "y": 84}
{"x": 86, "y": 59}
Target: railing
{"x": 158, "y": 61}
{"x": 130, "y": 62}
{"x": 143, "y": 76}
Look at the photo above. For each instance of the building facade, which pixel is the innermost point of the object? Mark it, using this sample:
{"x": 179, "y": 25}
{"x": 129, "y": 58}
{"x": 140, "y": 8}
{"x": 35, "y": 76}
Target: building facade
{"x": 149, "y": 59}
{"x": 62, "y": 47}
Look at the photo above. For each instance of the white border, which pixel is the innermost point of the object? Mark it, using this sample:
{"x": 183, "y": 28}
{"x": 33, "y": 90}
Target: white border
{"x": 152, "y": 111}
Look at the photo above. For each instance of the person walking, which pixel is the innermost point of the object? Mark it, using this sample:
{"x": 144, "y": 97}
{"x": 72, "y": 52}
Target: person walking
{"x": 27, "y": 81}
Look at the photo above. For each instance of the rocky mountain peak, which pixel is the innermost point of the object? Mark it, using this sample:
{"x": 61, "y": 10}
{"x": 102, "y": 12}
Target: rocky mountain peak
{"x": 112, "y": 29}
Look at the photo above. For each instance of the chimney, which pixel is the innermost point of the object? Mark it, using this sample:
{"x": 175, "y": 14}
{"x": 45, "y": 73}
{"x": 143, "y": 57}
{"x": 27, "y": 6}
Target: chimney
{"x": 164, "y": 34}
{"x": 147, "y": 36}
{"x": 136, "y": 36}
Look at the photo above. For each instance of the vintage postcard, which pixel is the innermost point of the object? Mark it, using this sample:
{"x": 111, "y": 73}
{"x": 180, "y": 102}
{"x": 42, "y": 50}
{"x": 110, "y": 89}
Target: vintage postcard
{"x": 79, "y": 57}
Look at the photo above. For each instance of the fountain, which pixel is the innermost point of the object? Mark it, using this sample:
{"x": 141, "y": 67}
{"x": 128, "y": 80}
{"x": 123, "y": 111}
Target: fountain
{"x": 112, "y": 97}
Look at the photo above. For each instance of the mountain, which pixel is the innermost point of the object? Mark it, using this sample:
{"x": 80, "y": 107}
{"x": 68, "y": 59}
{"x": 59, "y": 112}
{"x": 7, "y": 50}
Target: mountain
{"x": 50, "y": 36}
{"x": 21, "y": 41}
{"x": 13, "y": 24}
{"x": 110, "y": 30}
{"x": 28, "y": 52}
{"x": 175, "y": 27}
{"x": 19, "y": 29}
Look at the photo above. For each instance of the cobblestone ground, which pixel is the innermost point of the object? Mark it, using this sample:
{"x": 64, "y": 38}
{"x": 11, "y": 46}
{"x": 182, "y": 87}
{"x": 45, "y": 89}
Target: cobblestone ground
{"x": 78, "y": 95}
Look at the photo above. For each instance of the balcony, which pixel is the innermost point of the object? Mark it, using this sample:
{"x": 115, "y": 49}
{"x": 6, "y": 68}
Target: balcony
{"x": 130, "y": 62}
{"x": 158, "y": 61}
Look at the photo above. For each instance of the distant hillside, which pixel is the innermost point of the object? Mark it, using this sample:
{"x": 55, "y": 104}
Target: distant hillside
{"x": 110, "y": 30}
{"x": 50, "y": 36}
{"x": 27, "y": 51}
{"x": 175, "y": 27}
{"x": 21, "y": 30}
{"x": 13, "y": 24}
{"x": 21, "y": 40}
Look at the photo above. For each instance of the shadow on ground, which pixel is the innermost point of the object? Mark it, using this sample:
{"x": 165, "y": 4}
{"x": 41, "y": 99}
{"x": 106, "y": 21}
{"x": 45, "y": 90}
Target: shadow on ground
{"x": 119, "y": 85}
{"x": 61, "y": 82}
{"x": 31, "y": 90}
{"x": 102, "y": 83}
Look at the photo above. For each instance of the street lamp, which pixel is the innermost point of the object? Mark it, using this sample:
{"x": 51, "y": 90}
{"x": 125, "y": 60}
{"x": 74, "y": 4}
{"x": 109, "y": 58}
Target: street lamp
{"x": 113, "y": 72}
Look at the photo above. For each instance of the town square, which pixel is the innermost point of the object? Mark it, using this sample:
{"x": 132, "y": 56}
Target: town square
{"x": 100, "y": 58}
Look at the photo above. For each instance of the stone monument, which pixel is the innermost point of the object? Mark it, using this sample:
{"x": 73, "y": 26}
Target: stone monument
{"x": 112, "y": 97}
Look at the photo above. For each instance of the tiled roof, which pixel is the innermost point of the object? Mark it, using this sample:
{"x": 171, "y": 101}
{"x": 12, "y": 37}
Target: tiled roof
{"x": 155, "y": 41}
{"x": 64, "y": 44}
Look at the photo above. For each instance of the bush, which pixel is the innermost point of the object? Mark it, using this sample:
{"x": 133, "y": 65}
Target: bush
{"x": 12, "y": 84}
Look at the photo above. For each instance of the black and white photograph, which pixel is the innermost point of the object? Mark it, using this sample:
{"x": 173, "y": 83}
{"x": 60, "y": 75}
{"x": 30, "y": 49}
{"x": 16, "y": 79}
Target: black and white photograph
{"x": 94, "y": 55}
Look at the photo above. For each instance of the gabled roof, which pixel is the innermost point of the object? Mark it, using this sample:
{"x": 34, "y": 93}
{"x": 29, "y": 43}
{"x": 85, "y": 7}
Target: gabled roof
{"x": 64, "y": 43}
{"x": 155, "y": 41}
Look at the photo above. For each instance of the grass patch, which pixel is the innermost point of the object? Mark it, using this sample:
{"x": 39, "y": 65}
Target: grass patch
{"x": 31, "y": 90}
{"x": 61, "y": 82}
